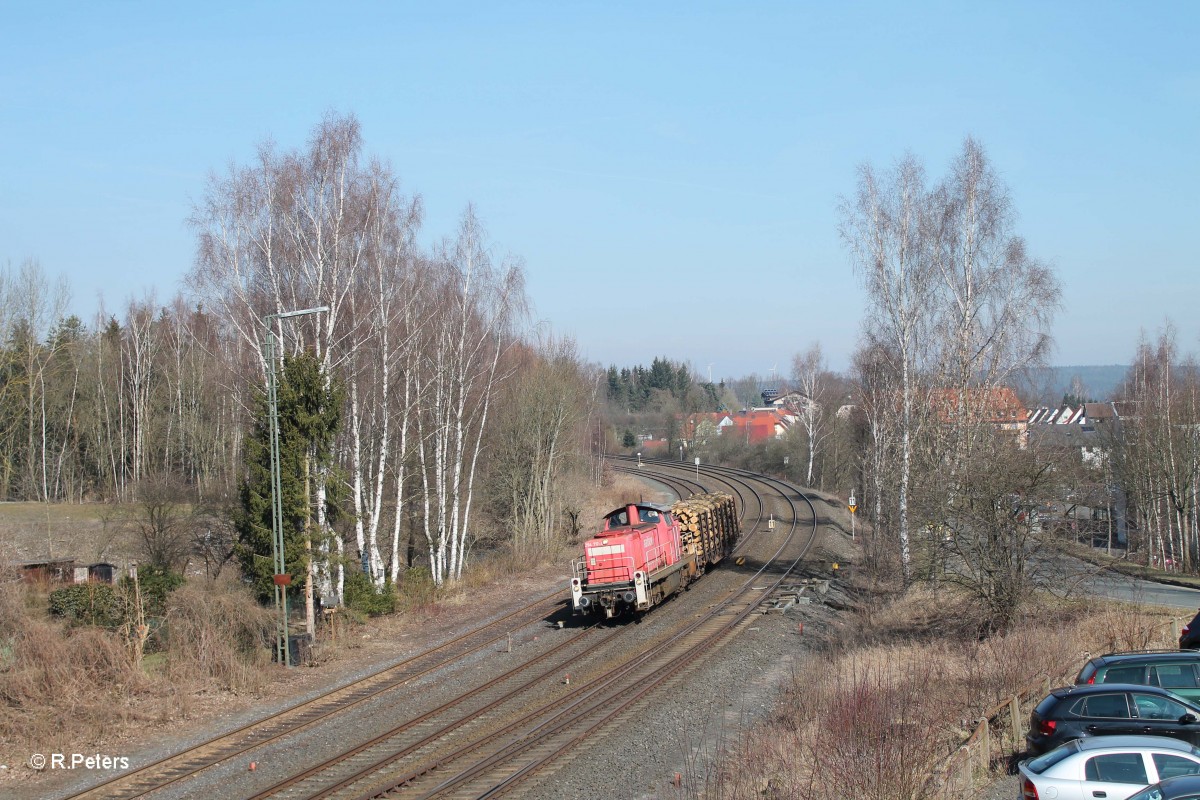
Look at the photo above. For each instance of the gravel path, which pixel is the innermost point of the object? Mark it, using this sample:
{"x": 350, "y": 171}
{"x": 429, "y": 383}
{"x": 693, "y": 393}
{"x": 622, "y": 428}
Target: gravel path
{"x": 1008, "y": 788}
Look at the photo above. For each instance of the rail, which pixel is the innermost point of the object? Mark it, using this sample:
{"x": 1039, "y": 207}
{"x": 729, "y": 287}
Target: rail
{"x": 611, "y": 570}
{"x": 551, "y": 664}
{"x": 660, "y": 556}
{"x": 222, "y": 748}
{"x": 545, "y": 718}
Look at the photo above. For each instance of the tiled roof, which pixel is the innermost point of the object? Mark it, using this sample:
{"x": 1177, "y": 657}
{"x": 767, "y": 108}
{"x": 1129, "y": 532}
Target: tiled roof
{"x": 997, "y": 404}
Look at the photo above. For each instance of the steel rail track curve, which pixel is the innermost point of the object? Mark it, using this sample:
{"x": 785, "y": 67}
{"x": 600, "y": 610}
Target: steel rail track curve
{"x": 303, "y": 715}
{"x": 402, "y": 749}
{"x": 593, "y": 706}
{"x": 695, "y": 641}
{"x": 191, "y": 760}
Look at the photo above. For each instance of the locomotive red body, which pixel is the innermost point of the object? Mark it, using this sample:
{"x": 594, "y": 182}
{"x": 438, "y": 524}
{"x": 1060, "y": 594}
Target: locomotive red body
{"x": 645, "y": 552}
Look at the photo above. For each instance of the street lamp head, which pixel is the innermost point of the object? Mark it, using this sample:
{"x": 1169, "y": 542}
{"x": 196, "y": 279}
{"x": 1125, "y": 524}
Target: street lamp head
{"x": 299, "y": 313}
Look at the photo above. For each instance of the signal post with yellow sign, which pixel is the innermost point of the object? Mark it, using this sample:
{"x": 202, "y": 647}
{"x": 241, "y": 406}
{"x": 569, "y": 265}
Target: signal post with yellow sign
{"x": 853, "y": 506}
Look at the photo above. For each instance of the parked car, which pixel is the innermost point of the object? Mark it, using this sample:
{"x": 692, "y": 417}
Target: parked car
{"x": 1189, "y": 637}
{"x": 1176, "y": 670}
{"x": 1106, "y": 766}
{"x": 1186, "y": 787}
{"x": 1107, "y": 709}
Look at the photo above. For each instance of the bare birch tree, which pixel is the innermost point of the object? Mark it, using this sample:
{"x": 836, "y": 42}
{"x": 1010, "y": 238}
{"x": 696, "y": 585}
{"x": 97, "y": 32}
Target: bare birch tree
{"x": 960, "y": 307}
{"x": 809, "y": 371}
{"x": 995, "y": 303}
{"x": 1158, "y": 460}
{"x": 885, "y": 227}
{"x": 877, "y": 379}
{"x": 138, "y": 356}
{"x": 385, "y": 312}
{"x": 418, "y": 341}
{"x": 476, "y": 303}
{"x": 36, "y": 307}
{"x": 290, "y": 234}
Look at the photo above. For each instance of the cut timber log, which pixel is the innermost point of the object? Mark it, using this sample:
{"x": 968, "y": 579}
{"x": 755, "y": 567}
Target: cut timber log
{"x": 708, "y": 525}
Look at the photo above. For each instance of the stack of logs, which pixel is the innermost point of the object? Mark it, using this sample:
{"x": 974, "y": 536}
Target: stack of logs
{"x": 708, "y": 525}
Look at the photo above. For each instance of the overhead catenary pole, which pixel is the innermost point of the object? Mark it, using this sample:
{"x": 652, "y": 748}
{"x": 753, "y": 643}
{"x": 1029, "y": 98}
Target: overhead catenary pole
{"x": 281, "y": 578}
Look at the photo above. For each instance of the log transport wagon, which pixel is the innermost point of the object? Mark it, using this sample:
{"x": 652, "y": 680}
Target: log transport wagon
{"x": 646, "y": 552}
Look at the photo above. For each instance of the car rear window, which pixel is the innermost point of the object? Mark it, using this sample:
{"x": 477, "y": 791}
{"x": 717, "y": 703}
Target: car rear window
{"x": 1111, "y": 706}
{"x": 1169, "y": 766}
{"x": 1125, "y": 675}
{"x": 1047, "y": 760}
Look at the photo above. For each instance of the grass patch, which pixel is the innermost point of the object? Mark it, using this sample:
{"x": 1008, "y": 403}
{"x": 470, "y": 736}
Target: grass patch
{"x": 155, "y": 664}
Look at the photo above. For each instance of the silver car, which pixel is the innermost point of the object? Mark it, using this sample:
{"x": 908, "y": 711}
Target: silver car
{"x": 1111, "y": 767}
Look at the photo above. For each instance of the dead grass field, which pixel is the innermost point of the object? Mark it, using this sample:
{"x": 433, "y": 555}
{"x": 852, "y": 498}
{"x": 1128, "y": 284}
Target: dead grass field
{"x": 89, "y": 532}
{"x": 870, "y": 717}
{"x": 66, "y": 689}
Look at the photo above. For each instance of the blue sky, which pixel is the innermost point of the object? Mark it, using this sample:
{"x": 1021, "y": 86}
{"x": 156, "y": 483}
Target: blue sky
{"x": 669, "y": 172}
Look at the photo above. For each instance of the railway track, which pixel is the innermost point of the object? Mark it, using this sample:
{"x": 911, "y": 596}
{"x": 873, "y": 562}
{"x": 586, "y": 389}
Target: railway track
{"x": 492, "y": 738}
{"x": 526, "y": 721}
{"x": 187, "y": 763}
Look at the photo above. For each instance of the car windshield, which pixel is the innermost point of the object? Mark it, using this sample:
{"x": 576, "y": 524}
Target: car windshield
{"x": 1047, "y": 760}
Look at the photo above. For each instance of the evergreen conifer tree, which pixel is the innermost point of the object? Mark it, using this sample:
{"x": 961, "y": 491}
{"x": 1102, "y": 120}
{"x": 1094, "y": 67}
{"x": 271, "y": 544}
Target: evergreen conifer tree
{"x": 309, "y": 415}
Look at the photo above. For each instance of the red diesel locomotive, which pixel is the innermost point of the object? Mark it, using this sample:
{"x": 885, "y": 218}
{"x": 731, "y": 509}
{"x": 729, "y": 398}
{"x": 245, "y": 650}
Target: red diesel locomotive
{"x": 646, "y": 552}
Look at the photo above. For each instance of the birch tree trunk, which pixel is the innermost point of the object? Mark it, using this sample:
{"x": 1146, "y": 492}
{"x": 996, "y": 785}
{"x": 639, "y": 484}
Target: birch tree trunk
{"x": 884, "y": 227}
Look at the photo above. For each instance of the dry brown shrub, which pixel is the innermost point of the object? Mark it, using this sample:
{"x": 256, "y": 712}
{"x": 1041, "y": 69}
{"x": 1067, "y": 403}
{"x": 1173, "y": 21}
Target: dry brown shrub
{"x": 865, "y": 722}
{"x": 55, "y": 679}
{"x": 919, "y": 613}
{"x": 1113, "y": 627}
{"x": 875, "y": 720}
{"x": 217, "y": 633}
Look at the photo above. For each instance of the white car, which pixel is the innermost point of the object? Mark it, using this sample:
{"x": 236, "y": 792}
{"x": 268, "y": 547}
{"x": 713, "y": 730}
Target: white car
{"x": 1111, "y": 767}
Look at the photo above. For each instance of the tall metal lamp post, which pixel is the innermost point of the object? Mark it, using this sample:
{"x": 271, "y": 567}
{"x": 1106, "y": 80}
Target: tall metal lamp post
{"x": 281, "y": 577}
